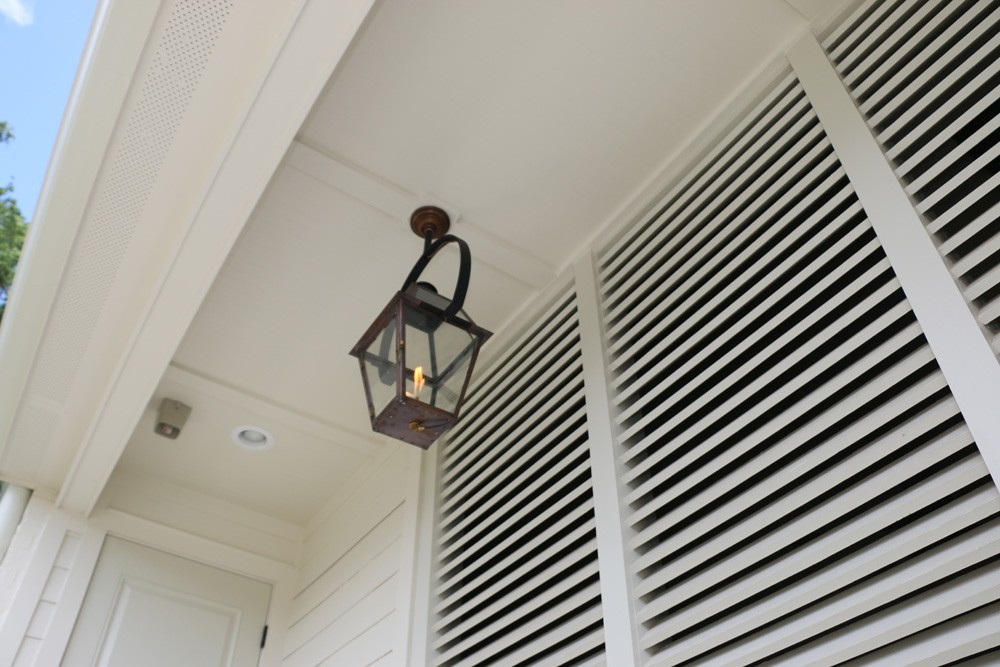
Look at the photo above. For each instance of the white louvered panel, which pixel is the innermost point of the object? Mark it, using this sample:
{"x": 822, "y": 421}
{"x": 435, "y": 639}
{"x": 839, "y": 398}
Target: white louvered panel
{"x": 546, "y": 458}
{"x": 768, "y": 532}
{"x": 935, "y": 106}
{"x": 528, "y": 596}
{"x": 476, "y": 592}
{"x": 921, "y": 59}
{"x": 795, "y": 463}
{"x": 536, "y": 496}
{"x": 864, "y": 17}
{"x": 529, "y": 533}
{"x": 876, "y": 59}
{"x": 536, "y": 375}
{"x": 694, "y": 184}
{"x": 975, "y": 635}
{"x": 731, "y": 203}
{"x": 955, "y": 583}
{"x": 664, "y": 346}
{"x": 560, "y": 517}
{"x": 579, "y": 612}
{"x": 768, "y": 364}
{"x": 516, "y": 572}
{"x": 769, "y": 597}
{"x": 751, "y": 422}
{"x": 721, "y": 509}
{"x": 539, "y": 411}
{"x": 680, "y": 288}
{"x": 918, "y": 59}
{"x": 464, "y": 448}
{"x": 911, "y": 139}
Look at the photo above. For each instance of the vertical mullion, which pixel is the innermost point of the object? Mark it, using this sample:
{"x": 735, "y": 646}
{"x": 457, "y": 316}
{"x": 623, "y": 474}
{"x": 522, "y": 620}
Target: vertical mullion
{"x": 621, "y": 636}
{"x": 951, "y": 328}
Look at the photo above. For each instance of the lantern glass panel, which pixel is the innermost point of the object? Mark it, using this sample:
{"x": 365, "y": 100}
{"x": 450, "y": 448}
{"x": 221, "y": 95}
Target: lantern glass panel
{"x": 380, "y": 367}
{"x": 437, "y": 357}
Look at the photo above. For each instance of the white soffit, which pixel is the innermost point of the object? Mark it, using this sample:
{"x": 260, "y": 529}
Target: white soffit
{"x": 290, "y": 480}
{"x": 538, "y": 120}
{"x": 218, "y": 93}
{"x": 307, "y": 277}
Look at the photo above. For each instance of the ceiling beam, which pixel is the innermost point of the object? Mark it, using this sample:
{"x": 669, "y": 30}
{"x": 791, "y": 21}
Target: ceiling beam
{"x": 367, "y": 444}
{"x": 397, "y": 203}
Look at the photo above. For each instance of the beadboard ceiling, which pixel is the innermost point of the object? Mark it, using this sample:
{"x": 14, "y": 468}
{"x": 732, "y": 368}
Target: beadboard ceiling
{"x": 533, "y": 124}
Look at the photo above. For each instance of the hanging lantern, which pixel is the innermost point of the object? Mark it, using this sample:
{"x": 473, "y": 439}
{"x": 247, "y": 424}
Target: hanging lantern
{"x": 417, "y": 357}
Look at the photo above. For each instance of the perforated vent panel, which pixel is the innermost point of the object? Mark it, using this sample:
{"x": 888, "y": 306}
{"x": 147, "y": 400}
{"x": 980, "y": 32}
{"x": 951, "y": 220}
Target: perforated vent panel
{"x": 181, "y": 54}
{"x": 516, "y": 575}
{"x": 927, "y": 77}
{"x": 802, "y": 486}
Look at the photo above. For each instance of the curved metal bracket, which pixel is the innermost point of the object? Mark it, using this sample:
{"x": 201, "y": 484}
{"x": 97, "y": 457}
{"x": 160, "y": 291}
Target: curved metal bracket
{"x": 431, "y": 248}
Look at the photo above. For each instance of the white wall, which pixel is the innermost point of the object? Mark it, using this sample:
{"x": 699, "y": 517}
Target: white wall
{"x": 354, "y": 574}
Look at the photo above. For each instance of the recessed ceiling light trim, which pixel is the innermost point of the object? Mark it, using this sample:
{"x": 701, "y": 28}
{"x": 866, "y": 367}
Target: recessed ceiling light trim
{"x": 252, "y": 437}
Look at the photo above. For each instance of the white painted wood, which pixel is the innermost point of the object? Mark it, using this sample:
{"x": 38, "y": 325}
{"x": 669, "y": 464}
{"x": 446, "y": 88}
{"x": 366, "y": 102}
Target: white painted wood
{"x": 400, "y": 204}
{"x": 116, "y": 40}
{"x": 78, "y": 573}
{"x": 28, "y": 594}
{"x": 13, "y": 500}
{"x": 863, "y": 564}
{"x": 144, "y": 606}
{"x": 354, "y": 573}
{"x": 418, "y": 651}
{"x": 618, "y": 598}
{"x": 317, "y": 41}
{"x": 767, "y": 288}
{"x": 170, "y": 540}
{"x": 966, "y": 359}
{"x": 172, "y": 505}
{"x": 337, "y": 435}
{"x": 407, "y": 600}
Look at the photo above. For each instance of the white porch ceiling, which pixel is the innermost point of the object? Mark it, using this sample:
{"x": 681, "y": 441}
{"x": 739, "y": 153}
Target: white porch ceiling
{"x": 534, "y": 124}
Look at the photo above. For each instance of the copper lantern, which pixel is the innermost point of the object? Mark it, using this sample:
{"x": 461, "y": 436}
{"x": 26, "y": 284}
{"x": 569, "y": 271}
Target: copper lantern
{"x": 417, "y": 357}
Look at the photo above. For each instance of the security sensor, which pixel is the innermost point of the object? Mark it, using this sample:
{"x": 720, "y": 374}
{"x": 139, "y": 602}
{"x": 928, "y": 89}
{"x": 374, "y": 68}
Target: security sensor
{"x": 171, "y": 417}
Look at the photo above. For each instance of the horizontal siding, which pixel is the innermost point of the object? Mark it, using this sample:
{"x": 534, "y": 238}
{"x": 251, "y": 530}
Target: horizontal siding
{"x": 344, "y": 611}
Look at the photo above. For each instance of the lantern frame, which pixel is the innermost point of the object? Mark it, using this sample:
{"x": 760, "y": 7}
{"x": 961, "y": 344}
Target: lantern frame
{"x": 406, "y": 417}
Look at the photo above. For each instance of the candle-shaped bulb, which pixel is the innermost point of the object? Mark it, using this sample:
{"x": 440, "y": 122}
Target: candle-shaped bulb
{"x": 418, "y": 380}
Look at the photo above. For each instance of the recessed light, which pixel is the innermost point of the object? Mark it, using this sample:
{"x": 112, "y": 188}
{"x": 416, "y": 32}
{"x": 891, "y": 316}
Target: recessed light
{"x": 252, "y": 437}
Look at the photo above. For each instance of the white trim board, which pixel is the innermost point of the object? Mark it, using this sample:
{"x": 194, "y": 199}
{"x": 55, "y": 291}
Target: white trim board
{"x": 951, "y": 328}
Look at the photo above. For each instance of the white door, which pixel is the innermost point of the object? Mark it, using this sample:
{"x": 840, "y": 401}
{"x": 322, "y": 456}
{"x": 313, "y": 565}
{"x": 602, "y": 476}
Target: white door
{"x": 147, "y": 608}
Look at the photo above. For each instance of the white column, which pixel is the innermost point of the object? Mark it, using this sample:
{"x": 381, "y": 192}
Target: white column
{"x": 965, "y": 357}
{"x": 621, "y": 634}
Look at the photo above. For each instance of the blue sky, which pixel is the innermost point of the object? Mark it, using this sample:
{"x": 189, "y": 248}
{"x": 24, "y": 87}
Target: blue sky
{"x": 40, "y": 46}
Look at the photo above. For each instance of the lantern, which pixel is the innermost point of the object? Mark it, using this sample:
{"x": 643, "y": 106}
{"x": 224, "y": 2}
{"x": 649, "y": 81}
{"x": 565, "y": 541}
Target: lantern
{"x": 417, "y": 357}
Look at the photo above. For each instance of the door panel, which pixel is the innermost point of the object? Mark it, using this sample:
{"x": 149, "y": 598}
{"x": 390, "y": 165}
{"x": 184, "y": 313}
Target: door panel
{"x": 146, "y": 607}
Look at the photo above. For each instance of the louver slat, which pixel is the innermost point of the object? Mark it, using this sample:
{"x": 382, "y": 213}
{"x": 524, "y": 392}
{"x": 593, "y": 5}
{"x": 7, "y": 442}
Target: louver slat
{"x": 795, "y": 587}
{"x": 935, "y": 107}
{"x": 698, "y": 181}
{"x": 730, "y": 304}
{"x": 516, "y": 576}
{"x": 536, "y": 376}
{"x": 724, "y": 510}
{"x": 769, "y": 363}
{"x": 798, "y": 473}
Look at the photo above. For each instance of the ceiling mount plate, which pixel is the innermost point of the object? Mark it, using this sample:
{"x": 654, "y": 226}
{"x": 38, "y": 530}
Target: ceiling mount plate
{"x": 430, "y": 219}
